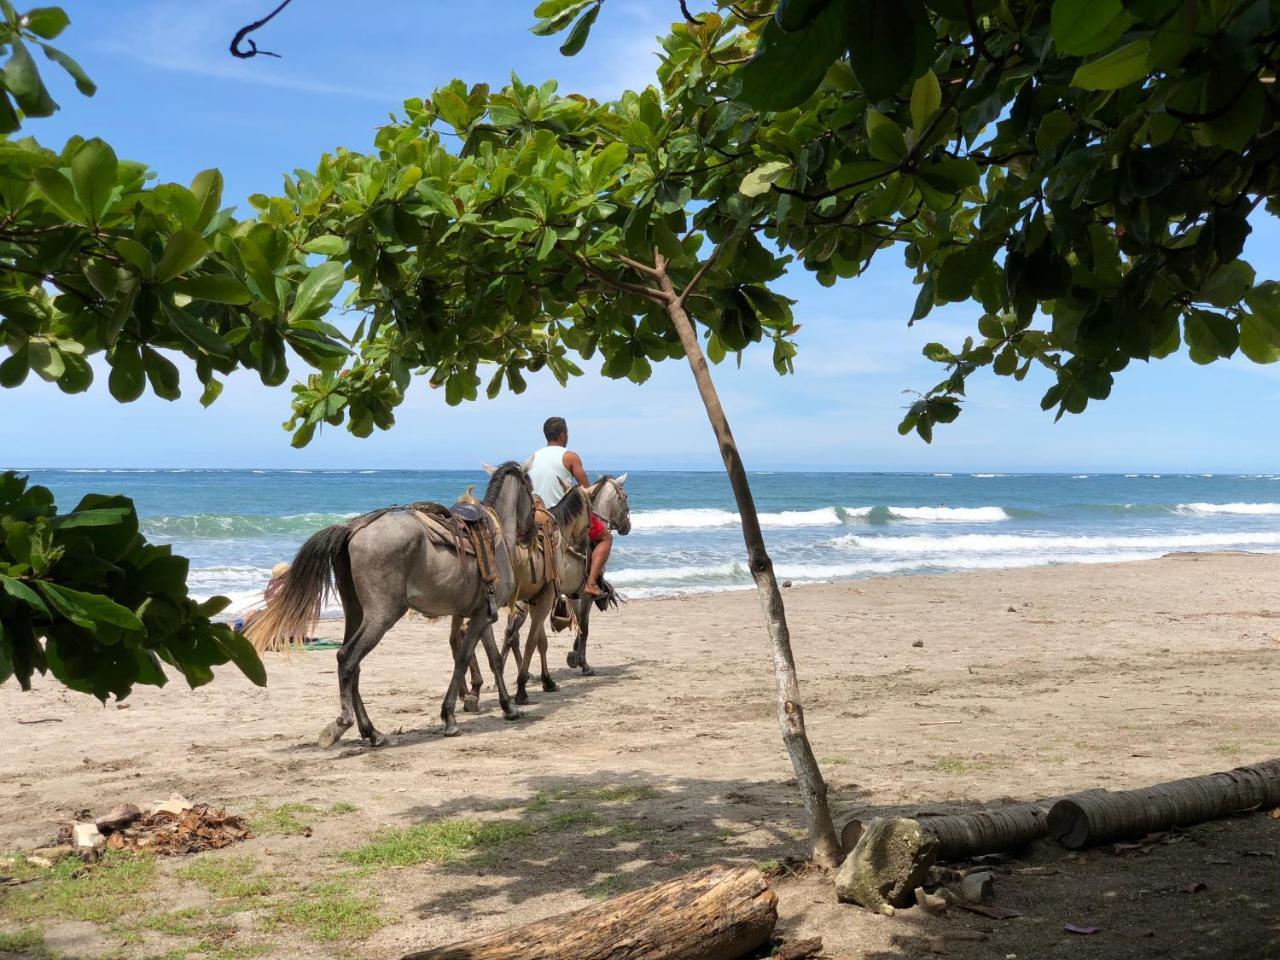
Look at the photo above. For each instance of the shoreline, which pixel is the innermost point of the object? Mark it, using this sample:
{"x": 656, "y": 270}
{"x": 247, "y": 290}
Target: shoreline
{"x": 810, "y": 585}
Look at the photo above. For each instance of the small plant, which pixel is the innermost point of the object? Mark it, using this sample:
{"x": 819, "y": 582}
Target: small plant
{"x": 284, "y": 820}
{"x": 441, "y": 841}
{"x": 229, "y": 878}
{"x": 331, "y": 911}
{"x": 949, "y": 764}
{"x": 99, "y": 893}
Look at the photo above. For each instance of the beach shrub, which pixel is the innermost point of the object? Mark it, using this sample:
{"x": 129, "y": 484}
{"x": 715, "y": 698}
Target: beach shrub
{"x": 84, "y": 597}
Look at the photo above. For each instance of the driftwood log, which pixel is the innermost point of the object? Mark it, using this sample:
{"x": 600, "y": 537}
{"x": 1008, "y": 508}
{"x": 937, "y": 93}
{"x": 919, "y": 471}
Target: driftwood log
{"x": 892, "y": 856}
{"x": 713, "y": 914}
{"x": 1102, "y": 816}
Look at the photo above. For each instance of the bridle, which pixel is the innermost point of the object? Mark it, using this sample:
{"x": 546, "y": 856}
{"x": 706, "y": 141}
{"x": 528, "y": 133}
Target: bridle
{"x": 622, "y": 495}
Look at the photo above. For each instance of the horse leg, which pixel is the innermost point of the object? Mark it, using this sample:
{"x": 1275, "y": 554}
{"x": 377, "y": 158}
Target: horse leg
{"x": 471, "y": 698}
{"x": 354, "y": 649}
{"x": 495, "y": 664}
{"x": 584, "y": 629}
{"x": 548, "y": 685}
{"x": 539, "y": 610}
{"x": 476, "y": 625}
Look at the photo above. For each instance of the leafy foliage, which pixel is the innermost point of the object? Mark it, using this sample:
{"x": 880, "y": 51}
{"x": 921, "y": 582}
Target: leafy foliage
{"x": 110, "y": 608}
{"x": 1085, "y": 171}
{"x": 93, "y": 261}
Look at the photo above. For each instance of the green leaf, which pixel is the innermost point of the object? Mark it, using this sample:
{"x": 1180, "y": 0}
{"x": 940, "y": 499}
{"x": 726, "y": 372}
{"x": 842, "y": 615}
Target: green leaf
{"x": 240, "y": 651}
{"x": 14, "y": 369}
{"x": 1259, "y": 338}
{"x": 788, "y": 67}
{"x": 59, "y": 191}
{"x": 20, "y": 591}
{"x": 328, "y": 245}
{"x": 93, "y": 173}
{"x": 46, "y": 22}
{"x": 560, "y": 15}
{"x": 317, "y": 290}
{"x": 761, "y": 179}
{"x": 885, "y": 139}
{"x": 795, "y": 15}
{"x": 1117, "y": 69}
{"x": 83, "y": 83}
{"x": 884, "y": 38}
{"x": 22, "y": 79}
{"x": 207, "y": 189}
{"x": 128, "y": 378}
{"x": 926, "y": 100}
{"x": 1210, "y": 335}
{"x": 183, "y": 251}
{"x": 89, "y": 610}
{"x": 215, "y": 288}
{"x": 1264, "y": 300}
{"x": 197, "y": 333}
{"x": 162, "y": 374}
{"x": 45, "y": 359}
{"x": 1082, "y": 27}
{"x": 581, "y": 30}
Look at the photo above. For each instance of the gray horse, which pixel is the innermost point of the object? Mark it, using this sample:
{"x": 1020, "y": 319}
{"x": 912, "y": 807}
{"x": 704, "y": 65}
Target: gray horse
{"x": 607, "y": 498}
{"x": 383, "y": 564}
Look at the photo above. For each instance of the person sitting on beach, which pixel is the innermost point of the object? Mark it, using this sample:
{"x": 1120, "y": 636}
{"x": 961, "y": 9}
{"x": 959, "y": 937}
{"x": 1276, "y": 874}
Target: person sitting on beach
{"x": 274, "y": 586}
{"x": 556, "y": 468}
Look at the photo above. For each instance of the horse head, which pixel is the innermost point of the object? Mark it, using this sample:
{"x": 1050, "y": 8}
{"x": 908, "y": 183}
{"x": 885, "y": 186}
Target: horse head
{"x": 609, "y": 501}
{"x": 500, "y": 479}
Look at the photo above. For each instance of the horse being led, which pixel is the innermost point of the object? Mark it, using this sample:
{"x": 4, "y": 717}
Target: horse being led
{"x": 385, "y": 563}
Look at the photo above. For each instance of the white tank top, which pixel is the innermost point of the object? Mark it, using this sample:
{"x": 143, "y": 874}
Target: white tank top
{"x": 546, "y": 473}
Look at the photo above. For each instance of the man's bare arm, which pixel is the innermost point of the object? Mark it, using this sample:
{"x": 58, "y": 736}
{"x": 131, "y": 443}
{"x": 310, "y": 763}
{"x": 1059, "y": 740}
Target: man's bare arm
{"x": 573, "y": 463}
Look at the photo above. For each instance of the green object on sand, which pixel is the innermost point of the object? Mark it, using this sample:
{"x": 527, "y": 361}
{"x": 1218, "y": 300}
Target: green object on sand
{"x": 310, "y": 644}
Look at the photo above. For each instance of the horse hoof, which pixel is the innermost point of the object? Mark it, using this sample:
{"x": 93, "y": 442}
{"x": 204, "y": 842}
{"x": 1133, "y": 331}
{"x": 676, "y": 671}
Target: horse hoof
{"x": 331, "y": 735}
{"x": 549, "y": 685}
{"x": 511, "y": 713}
{"x": 586, "y": 670}
{"x": 572, "y": 658}
{"x": 451, "y": 728}
{"x": 377, "y": 739}
{"x": 522, "y": 698}
{"x": 470, "y": 704}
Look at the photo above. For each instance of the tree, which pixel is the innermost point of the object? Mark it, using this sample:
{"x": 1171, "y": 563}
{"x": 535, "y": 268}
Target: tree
{"x": 93, "y": 261}
{"x": 1083, "y": 169}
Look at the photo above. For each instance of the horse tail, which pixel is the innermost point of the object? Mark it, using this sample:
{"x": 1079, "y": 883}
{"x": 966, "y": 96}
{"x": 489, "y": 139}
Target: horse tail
{"x": 294, "y": 610}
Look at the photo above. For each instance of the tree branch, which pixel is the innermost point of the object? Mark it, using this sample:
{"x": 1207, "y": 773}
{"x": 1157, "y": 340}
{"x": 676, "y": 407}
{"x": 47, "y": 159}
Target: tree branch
{"x": 242, "y": 36}
{"x": 637, "y": 265}
{"x": 707, "y": 264}
{"x": 684, "y": 8}
{"x": 640, "y": 290}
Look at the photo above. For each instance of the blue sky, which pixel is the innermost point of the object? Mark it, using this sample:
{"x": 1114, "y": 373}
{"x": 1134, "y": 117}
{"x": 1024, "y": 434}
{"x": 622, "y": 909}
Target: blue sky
{"x": 170, "y": 95}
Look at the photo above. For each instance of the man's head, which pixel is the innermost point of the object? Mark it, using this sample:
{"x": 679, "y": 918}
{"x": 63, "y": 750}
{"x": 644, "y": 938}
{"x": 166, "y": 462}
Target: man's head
{"x": 555, "y": 430}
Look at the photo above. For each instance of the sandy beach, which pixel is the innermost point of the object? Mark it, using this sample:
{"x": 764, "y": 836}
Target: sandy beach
{"x": 1028, "y": 683}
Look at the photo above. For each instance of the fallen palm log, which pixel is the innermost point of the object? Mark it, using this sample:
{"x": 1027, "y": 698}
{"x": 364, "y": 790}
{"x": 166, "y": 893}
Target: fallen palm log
{"x": 712, "y": 914}
{"x": 1102, "y": 816}
{"x": 892, "y": 856}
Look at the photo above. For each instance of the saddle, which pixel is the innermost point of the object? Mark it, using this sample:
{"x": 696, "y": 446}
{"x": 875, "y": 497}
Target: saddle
{"x": 470, "y": 529}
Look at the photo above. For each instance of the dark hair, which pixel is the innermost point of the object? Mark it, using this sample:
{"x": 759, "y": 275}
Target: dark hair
{"x": 554, "y": 428}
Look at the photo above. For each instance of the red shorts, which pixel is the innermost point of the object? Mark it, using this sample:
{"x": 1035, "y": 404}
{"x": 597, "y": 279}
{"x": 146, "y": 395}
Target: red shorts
{"x": 596, "y": 532}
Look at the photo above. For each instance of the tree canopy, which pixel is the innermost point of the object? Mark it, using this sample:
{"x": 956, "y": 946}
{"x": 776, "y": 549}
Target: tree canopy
{"x": 1084, "y": 170}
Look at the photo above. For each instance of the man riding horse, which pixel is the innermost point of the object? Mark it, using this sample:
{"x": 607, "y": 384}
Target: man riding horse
{"x": 553, "y": 470}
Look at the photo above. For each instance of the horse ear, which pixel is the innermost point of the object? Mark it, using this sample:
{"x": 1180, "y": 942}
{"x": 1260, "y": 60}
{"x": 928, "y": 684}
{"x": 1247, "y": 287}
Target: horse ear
{"x": 527, "y": 465}
{"x": 621, "y": 480}
{"x": 488, "y": 469}
{"x": 565, "y": 484}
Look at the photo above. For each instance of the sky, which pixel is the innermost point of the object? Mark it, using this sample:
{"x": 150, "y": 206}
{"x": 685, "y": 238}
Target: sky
{"x": 171, "y": 96}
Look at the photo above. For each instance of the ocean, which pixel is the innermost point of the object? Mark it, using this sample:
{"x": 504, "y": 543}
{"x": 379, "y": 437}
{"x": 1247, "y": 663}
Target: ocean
{"x": 234, "y": 525}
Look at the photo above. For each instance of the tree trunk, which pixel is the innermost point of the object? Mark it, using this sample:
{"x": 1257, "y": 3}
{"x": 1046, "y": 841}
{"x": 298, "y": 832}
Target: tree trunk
{"x": 813, "y": 789}
{"x": 1101, "y": 816}
{"x": 714, "y": 914}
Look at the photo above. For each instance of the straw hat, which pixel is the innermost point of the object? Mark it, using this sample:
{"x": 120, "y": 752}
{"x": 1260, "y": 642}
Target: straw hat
{"x": 279, "y": 570}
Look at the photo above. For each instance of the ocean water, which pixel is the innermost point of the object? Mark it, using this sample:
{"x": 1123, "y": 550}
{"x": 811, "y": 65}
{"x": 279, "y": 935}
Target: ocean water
{"x": 235, "y": 525}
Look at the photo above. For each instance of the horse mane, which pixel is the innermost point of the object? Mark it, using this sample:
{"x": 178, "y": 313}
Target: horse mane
{"x": 568, "y": 508}
{"x": 508, "y": 469}
{"x": 524, "y": 533}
